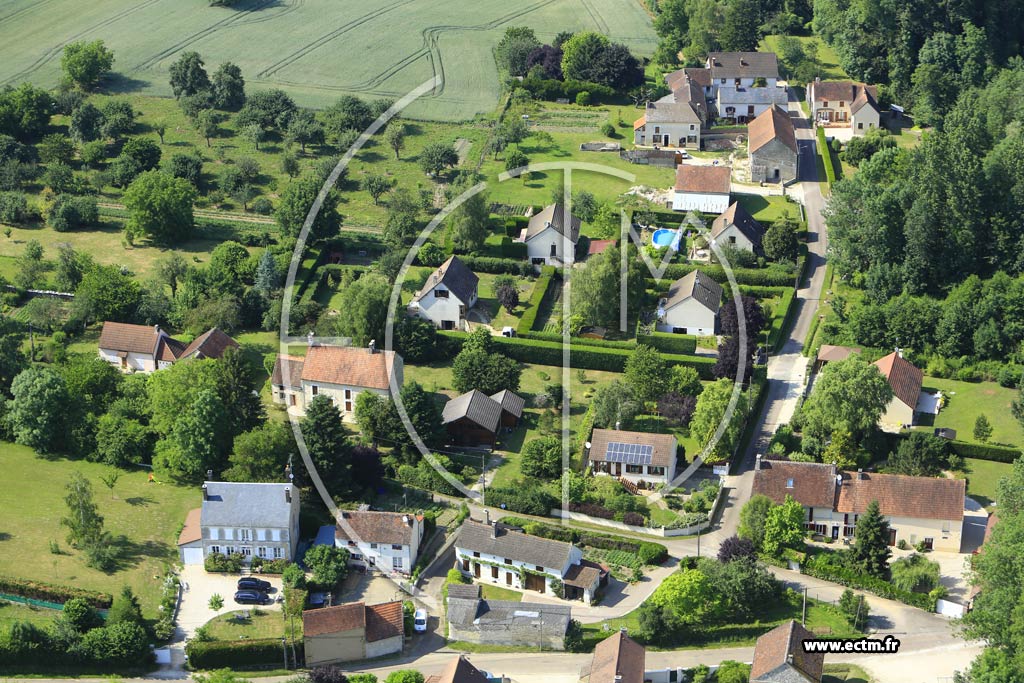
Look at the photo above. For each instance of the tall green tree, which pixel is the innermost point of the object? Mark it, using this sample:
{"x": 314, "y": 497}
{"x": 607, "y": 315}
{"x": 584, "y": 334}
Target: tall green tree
{"x": 327, "y": 441}
{"x": 159, "y": 208}
{"x": 870, "y": 551}
{"x": 297, "y": 200}
{"x": 513, "y": 49}
{"x": 188, "y": 75}
{"x": 83, "y": 521}
{"x": 645, "y": 373}
{"x": 365, "y": 313}
{"x": 85, "y": 62}
{"x": 470, "y": 223}
{"x": 709, "y": 413}
{"x": 784, "y": 527}
{"x": 851, "y": 394}
{"x": 754, "y": 517}
{"x": 37, "y": 413}
{"x": 228, "y": 87}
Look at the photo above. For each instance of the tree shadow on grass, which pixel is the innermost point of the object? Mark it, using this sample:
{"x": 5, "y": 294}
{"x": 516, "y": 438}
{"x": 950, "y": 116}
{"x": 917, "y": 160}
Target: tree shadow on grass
{"x": 129, "y": 553}
{"x": 4, "y": 536}
{"x": 140, "y": 501}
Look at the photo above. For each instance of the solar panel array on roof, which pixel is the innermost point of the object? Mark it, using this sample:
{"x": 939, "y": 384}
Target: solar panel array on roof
{"x": 629, "y": 453}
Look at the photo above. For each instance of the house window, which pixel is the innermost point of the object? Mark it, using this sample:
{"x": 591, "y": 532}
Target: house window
{"x": 678, "y": 330}
{"x": 215, "y": 549}
{"x": 244, "y": 535}
{"x": 315, "y": 389}
{"x": 476, "y": 554}
{"x": 230, "y": 550}
{"x": 642, "y": 138}
{"x": 396, "y": 563}
{"x": 356, "y": 556}
{"x": 928, "y": 543}
{"x": 723, "y": 81}
{"x": 750, "y": 110}
{"x": 657, "y": 471}
{"x": 373, "y": 545}
{"x": 842, "y": 104}
{"x": 693, "y": 127}
{"x": 634, "y": 469}
{"x": 539, "y": 568}
{"x": 860, "y": 126}
{"x": 396, "y": 547}
{"x": 261, "y": 551}
{"x": 277, "y": 553}
{"x": 494, "y": 572}
{"x": 824, "y": 103}
{"x": 508, "y": 560}
{"x": 945, "y": 527}
{"x": 657, "y": 129}
{"x": 441, "y": 293}
{"x": 348, "y": 401}
{"x": 732, "y": 239}
{"x": 246, "y": 551}
{"x": 789, "y": 483}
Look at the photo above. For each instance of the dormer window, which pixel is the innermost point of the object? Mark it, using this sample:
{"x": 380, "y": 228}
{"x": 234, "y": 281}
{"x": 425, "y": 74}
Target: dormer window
{"x": 441, "y": 293}
{"x": 789, "y": 483}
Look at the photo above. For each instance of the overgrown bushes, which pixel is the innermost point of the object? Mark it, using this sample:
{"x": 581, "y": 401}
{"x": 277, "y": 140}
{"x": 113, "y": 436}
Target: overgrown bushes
{"x": 826, "y": 157}
{"x": 219, "y": 562}
{"x": 237, "y": 654}
{"x": 49, "y": 592}
{"x": 527, "y": 499}
{"x": 269, "y": 566}
{"x": 648, "y": 552}
{"x": 496, "y": 266}
{"x": 830, "y": 571}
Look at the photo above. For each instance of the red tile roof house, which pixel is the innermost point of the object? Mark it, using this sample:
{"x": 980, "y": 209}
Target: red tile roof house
{"x": 919, "y": 509}
{"x": 352, "y": 632}
{"x": 845, "y": 104}
{"x": 338, "y": 372}
{"x": 779, "y": 657}
{"x": 772, "y": 147}
{"x": 146, "y": 349}
{"x": 389, "y": 541}
{"x": 617, "y": 659}
{"x": 906, "y": 381}
{"x": 458, "y": 670}
{"x": 702, "y": 188}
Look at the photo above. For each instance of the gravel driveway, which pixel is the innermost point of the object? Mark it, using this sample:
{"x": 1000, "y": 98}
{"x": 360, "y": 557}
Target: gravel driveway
{"x": 195, "y": 608}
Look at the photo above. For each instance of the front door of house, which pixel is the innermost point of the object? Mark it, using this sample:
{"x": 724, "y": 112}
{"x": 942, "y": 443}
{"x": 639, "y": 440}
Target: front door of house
{"x": 535, "y": 582}
{"x": 508, "y": 578}
{"x": 835, "y": 533}
{"x": 892, "y": 537}
{"x": 291, "y": 399}
{"x": 476, "y": 569}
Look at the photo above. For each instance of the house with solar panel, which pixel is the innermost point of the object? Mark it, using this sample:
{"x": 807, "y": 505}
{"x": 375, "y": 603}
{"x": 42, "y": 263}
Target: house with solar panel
{"x": 643, "y": 459}
{"x": 691, "y": 306}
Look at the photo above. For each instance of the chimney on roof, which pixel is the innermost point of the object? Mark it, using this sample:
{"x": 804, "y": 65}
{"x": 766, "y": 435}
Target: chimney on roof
{"x": 757, "y": 463}
{"x": 618, "y": 425}
{"x": 789, "y": 658}
{"x": 156, "y": 330}
{"x": 743, "y": 62}
{"x": 487, "y": 516}
{"x": 288, "y": 494}
{"x": 206, "y": 493}
{"x": 209, "y": 475}
{"x": 406, "y": 520}
{"x": 899, "y": 352}
{"x": 860, "y": 473}
{"x": 817, "y": 79}
{"x": 373, "y": 346}
{"x": 309, "y": 338}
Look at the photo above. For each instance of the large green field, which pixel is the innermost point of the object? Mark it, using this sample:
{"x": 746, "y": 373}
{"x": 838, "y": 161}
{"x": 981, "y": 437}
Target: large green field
{"x": 148, "y": 516}
{"x": 314, "y": 49}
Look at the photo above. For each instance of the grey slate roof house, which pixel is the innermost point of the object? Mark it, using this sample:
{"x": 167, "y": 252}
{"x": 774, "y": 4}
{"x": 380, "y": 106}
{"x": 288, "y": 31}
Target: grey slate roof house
{"x": 502, "y": 555}
{"x": 512, "y": 405}
{"x": 252, "y": 519}
{"x": 546, "y": 235}
{"x": 691, "y": 305}
{"x": 736, "y": 228}
{"x": 447, "y": 295}
{"x": 500, "y": 622}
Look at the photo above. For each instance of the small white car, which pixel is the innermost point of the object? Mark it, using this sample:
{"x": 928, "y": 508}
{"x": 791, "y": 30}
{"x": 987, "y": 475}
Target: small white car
{"x": 419, "y": 621}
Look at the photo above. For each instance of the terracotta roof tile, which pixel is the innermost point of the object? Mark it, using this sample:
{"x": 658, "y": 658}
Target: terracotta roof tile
{"x": 618, "y": 659}
{"x": 899, "y": 495}
{"x": 384, "y": 621}
{"x": 904, "y": 378}
{"x": 703, "y": 179}
{"x": 130, "y": 338}
{"x": 772, "y": 124}
{"x": 458, "y": 670}
{"x": 350, "y": 366}
{"x": 830, "y": 353}
{"x": 192, "y": 531}
{"x": 773, "y": 652}
{"x": 372, "y": 526}
{"x": 811, "y": 484}
{"x": 211, "y": 344}
{"x": 294, "y": 374}
{"x": 336, "y": 619}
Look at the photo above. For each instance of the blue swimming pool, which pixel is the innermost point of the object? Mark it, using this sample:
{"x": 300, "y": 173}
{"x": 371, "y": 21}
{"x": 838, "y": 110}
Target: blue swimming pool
{"x": 663, "y": 237}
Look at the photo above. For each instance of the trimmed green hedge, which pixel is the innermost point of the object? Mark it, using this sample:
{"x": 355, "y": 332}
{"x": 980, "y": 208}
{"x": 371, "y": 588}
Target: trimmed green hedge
{"x": 584, "y": 357}
{"x": 776, "y": 338}
{"x": 772, "y": 276}
{"x": 496, "y": 266}
{"x": 826, "y": 157}
{"x": 264, "y": 653}
{"x": 540, "y": 288}
{"x": 682, "y": 344}
{"x": 871, "y": 584}
{"x": 39, "y": 590}
{"x": 984, "y": 451}
{"x": 585, "y": 341}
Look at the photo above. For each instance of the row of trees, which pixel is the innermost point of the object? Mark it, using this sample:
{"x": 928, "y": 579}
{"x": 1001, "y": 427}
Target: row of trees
{"x": 586, "y": 56}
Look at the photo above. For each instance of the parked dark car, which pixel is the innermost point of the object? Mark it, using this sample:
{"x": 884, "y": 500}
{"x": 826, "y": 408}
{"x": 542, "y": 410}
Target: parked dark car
{"x": 250, "y": 597}
{"x": 252, "y": 583}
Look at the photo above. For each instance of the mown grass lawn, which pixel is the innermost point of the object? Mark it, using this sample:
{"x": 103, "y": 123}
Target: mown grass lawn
{"x": 259, "y": 624}
{"x": 148, "y": 516}
{"x": 11, "y": 612}
{"x": 822, "y": 618}
{"x": 490, "y": 592}
{"x": 983, "y": 477}
{"x": 965, "y": 401}
{"x": 845, "y": 673}
{"x": 767, "y": 210}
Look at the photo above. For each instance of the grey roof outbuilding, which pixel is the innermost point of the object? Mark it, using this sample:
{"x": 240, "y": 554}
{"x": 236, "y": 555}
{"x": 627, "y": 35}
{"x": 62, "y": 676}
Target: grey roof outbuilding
{"x": 474, "y": 406}
{"x": 744, "y": 222}
{"x": 510, "y": 402}
{"x": 553, "y": 216}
